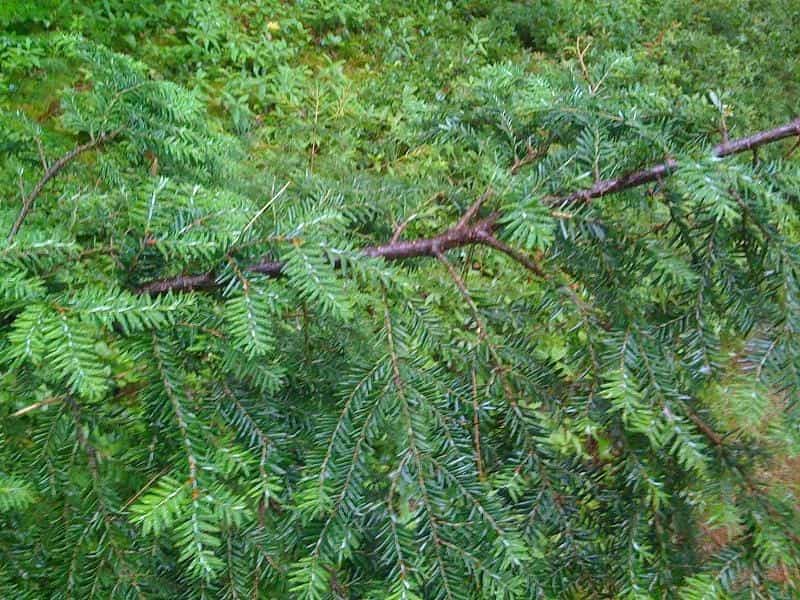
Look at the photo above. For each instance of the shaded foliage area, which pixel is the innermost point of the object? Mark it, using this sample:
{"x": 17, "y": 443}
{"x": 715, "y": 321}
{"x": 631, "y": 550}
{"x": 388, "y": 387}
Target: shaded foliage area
{"x": 599, "y": 410}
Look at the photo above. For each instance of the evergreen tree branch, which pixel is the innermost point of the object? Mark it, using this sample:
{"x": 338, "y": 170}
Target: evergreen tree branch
{"x": 415, "y": 452}
{"x": 54, "y": 170}
{"x": 660, "y": 171}
{"x": 483, "y": 333}
{"x": 404, "y": 568}
{"x": 617, "y": 184}
{"x": 761, "y": 138}
{"x": 481, "y": 232}
{"x": 476, "y": 427}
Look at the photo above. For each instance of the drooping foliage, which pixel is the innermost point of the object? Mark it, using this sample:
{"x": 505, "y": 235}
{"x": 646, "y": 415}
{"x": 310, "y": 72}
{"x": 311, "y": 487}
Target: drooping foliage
{"x": 618, "y": 418}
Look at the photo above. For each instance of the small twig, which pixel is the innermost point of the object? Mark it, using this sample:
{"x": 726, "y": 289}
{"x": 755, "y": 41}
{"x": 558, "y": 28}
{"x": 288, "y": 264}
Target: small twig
{"x": 581, "y": 54}
{"x": 518, "y": 256}
{"x": 603, "y": 78}
{"x": 611, "y": 186}
{"x": 209, "y": 330}
{"x": 483, "y": 332}
{"x": 723, "y": 124}
{"x": 750, "y": 142}
{"x": 260, "y": 212}
{"x": 532, "y": 154}
{"x": 146, "y": 486}
{"x": 712, "y": 435}
{"x": 40, "y": 149}
{"x": 594, "y": 86}
{"x": 54, "y": 170}
{"x": 476, "y": 427}
{"x": 402, "y": 227}
{"x": 462, "y": 287}
{"x": 21, "y": 183}
{"x": 36, "y": 405}
{"x": 792, "y": 149}
{"x": 184, "y": 283}
{"x": 314, "y": 147}
{"x": 472, "y": 211}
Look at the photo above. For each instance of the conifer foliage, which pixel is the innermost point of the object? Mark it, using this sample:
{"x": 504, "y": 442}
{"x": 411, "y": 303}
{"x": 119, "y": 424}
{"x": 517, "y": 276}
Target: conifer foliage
{"x": 354, "y": 300}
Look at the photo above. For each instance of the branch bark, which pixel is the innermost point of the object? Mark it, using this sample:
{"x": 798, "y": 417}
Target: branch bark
{"x": 610, "y": 186}
{"x": 761, "y": 138}
{"x": 482, "y": 231}
{"x": 54, "y": 170}
{"x": 479, "y": 232}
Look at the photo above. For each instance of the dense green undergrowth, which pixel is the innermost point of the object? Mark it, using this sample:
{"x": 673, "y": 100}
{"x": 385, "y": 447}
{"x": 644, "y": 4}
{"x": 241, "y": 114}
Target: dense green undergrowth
{"x": 615, "y": 422}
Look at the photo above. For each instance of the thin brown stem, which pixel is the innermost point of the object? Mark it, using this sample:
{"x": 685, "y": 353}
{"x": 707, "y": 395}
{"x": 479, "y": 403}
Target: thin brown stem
{"x": 419, "y": 211}
{"x": 146, "y": 486}
{"x": 532, "y": 154}
{"x": 462, "y": 287}
{"x": 51, "y": 172}
{"x": 483, "y": 332}
{"x": 476, "y": 427}
{"x": 36, "y": 405}
{"x": 40, "y": 150}
{"x": 791, "y": 150}
{"x": 402, "y": 227}
{"x": 518, "y": 256}
{"x": 712, "y": 435}
{"x": 581, "y": 54}
{"x": 472, "y": 211}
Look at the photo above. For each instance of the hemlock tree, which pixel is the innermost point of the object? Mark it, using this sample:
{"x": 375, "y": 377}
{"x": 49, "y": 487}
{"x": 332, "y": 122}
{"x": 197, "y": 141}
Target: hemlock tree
{"x": 346, "y": 300}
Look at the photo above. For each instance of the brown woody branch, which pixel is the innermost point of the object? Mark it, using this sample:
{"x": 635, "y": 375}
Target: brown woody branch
{"x": 54, "y": 170}
{"x": 752, "y": 142}
{"x": 479, "y": 232}
{"x": 660, "y": 171}
{"x": 610, "y": 186}
{"x": 482, "y": 231}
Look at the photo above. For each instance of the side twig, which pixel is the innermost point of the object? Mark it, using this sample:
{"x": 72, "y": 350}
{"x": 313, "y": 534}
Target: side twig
{"x": 51, "y": 172}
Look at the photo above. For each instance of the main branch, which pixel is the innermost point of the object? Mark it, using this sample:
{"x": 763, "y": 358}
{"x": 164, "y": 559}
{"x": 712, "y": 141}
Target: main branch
{"x": 481, "y": 232}
{"x": 663, "y": 170}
